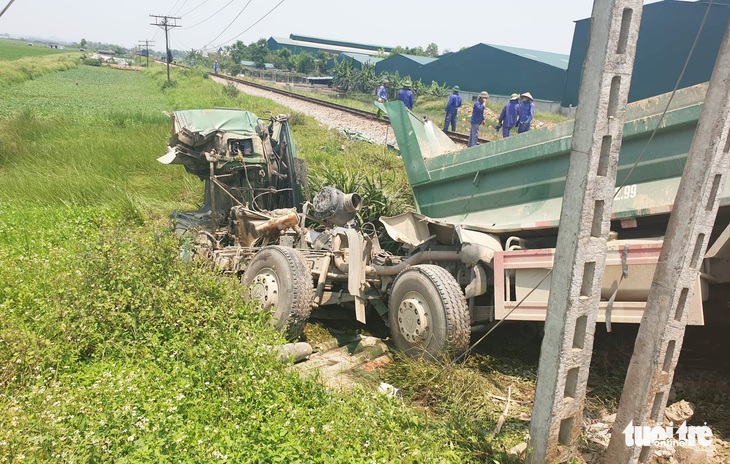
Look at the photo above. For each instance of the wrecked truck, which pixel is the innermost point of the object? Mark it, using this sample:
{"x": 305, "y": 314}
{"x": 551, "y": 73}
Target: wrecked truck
{"x": 294, "y": 255}
{"x": 479, "y": 246}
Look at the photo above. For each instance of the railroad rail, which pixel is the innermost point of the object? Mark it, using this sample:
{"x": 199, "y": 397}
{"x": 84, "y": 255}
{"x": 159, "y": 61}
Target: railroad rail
{"x": 455, "y": 136}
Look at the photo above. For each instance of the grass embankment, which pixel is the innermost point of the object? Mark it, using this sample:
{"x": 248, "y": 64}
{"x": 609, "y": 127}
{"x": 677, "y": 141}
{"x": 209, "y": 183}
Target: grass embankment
{"x": 19, "y": 62}
{"x": 114, "y": 350}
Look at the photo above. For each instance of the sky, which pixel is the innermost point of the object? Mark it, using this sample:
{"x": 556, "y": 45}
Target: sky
{"x": 535, "y": 24}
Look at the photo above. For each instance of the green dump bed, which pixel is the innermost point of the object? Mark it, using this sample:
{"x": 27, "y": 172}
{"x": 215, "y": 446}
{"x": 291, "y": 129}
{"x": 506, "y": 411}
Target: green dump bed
{"x": 518, "y": 183}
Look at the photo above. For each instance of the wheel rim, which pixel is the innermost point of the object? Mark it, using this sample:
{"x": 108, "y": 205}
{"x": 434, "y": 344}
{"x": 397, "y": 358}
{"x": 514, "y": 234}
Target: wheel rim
{"x": 413, "y": 317}
{"x": 265, "y": 289}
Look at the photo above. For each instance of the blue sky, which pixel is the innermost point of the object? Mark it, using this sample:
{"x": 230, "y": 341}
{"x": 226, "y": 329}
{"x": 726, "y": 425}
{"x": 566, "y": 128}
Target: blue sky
{"x": 536, "y": 24}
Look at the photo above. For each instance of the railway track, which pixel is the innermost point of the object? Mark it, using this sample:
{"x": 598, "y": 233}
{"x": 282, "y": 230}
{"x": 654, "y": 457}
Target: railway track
{"x": 455, "y": 136}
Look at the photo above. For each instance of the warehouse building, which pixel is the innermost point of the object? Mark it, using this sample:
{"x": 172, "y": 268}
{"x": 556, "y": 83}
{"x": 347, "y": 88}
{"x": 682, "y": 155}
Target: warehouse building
{"x": 356, "y": 59}
{"x": 405, "y": 65}
{"x": 501, "y": 70}
{"x": 668, "y": 29}
{"x": 299, "y": 43}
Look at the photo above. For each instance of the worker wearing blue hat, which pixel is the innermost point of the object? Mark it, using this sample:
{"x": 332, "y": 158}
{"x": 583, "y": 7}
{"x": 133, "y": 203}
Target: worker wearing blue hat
{"x": 452, "y": 109}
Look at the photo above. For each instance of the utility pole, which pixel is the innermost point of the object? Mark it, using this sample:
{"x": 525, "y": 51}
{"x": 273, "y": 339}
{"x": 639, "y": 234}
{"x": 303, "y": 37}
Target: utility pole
{"x": 658, "y": 343}
{"x": 166, "y": 23}
{"x": 580, "y": 254}
{"x": 147, "y": 44}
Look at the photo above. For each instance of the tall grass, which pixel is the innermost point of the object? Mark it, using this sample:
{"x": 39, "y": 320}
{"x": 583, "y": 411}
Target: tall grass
{"x": 23, "y": 69}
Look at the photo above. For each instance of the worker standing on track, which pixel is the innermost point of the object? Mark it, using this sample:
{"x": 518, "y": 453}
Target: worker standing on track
{"x": 215, "y": 67}
{"x": 477, "y": 118}
{"x": 452, "y": 109}
{"x": 406, "y": 95}
{"x": 508, "y": 116}
{"x": 383, "y": 92}
{"x": 527, "y": 111}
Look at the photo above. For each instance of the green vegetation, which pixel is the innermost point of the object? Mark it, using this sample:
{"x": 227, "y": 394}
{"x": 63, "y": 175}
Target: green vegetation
{"x": 111, "y": 348}
{"x": 22, "y": 69}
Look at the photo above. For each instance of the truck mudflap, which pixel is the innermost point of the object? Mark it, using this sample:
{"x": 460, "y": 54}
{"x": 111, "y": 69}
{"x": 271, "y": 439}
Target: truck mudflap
{"x": 630, "y": 266}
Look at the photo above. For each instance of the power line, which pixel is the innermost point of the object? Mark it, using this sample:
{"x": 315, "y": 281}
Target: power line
{"x": 231, "y": 23}
{"x": 6, "y": 7}
{"x": 201, "y": 22}
{"x": 181, "y": 7}
{"x": 199, "y": 5}
{"x": 173, "y": 6}
{"x": 252, "y": 25}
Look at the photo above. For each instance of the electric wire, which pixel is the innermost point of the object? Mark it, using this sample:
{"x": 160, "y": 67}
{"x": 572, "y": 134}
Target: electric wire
{"x": 231, "y": 23}
{"x": 676, "y": 86}
{"x": 199, "y": 5}
{"x": 169, "y": 13}
{"x": 252, "y": 25}
{"x": 219, "y": 10}
{"x": 6, "y": 7}
{"x": 181, "y": 7}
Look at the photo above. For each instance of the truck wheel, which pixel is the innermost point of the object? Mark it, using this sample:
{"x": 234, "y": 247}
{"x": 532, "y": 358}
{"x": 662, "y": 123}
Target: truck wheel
{"x": 428, "y": 314}
{"x": 279, "y": 280}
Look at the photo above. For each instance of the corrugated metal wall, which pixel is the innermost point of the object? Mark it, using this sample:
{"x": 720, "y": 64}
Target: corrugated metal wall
{"x": 483, "y": 67}
{"x": 667, "y": 31}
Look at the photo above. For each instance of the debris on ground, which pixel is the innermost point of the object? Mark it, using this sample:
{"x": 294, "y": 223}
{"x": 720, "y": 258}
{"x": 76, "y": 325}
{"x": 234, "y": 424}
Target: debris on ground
{"x": 341, "y": 365}
{"x": 679, "y": 412}
{"x": 354, "y": 135}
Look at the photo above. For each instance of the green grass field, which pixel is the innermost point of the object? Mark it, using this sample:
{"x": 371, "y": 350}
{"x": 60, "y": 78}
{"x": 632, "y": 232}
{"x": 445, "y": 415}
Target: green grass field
{"x": 13, "y": 49}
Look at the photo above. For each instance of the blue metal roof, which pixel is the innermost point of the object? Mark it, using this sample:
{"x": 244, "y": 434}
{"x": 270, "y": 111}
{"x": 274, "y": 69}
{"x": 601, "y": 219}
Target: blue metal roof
{"x": 553, "y": 59}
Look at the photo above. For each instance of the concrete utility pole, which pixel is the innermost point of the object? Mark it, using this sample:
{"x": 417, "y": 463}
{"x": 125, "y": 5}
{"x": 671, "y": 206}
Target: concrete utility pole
{"x": 661, "y": 333}
{"x": 147, "y": 44}
{"x": 580, "y": 254}
{"x": 166, "y": 23}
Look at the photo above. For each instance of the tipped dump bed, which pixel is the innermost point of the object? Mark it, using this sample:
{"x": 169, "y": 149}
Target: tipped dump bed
{"x": 518, "y": 183}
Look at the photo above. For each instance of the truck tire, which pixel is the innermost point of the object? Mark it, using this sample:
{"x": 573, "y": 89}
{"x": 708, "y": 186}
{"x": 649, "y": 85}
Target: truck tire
{"x": 278, "y": 279}
{"x": 428, "y": 314}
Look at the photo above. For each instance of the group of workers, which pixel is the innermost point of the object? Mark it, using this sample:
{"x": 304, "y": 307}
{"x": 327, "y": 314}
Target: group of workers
{"x": 405, "y": 94}
{"x": 517, "y": 112}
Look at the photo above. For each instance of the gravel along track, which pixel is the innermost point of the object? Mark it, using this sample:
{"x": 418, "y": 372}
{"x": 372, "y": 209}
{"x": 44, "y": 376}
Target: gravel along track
{"x": 376, "y": 130}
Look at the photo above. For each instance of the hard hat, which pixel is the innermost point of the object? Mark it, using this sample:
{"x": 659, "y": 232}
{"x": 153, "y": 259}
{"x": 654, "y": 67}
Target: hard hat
{"x": 456, "y": 88}
{"x": 483, "y": 94}
{"x": 386, "y": 81}
{"x": 514, "y": 96}
{"x": 527, "y": 95}
{"x": 406, "y": 83}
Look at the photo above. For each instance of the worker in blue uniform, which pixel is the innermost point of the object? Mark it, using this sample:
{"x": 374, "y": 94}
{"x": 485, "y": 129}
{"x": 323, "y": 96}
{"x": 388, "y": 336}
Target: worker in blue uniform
{"x": 406, "y": 95}
{"x": 477, "y": 118}
{"x": 383, "y": 92}
{"x": 508, "y": 116}
{"x": 527, "y": 111}
{"x": 452, "y": 109}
